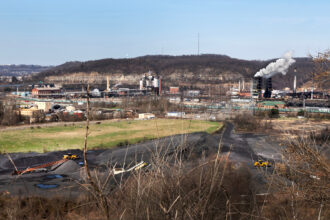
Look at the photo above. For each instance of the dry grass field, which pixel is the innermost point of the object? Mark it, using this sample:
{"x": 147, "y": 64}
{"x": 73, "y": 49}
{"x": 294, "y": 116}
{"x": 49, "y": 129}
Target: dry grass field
{"x": 104, "y": 135}
{"x": 296, "y": 127}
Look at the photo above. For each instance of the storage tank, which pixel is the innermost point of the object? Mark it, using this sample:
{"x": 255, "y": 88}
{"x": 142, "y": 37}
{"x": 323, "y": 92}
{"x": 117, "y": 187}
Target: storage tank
{"x": 156, "y": 83}
{"x": 141, "y": 84}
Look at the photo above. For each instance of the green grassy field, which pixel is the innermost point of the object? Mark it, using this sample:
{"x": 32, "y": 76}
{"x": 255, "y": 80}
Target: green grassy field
{"x": 104, "y": 135}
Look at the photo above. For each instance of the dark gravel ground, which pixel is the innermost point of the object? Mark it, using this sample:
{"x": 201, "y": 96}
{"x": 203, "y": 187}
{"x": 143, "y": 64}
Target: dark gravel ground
{"x": 63, "y": 180}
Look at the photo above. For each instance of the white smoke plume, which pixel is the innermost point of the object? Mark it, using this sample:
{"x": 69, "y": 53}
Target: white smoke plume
{"x": 279, "y": 66}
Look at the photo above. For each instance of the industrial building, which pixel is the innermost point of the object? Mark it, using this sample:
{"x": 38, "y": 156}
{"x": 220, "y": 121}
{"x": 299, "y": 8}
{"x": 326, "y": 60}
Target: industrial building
{"x": 47, "y": 92}
{"x": 150, "y": 83}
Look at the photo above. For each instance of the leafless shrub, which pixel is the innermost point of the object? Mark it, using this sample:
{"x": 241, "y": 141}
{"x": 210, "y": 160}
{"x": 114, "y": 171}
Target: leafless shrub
{"x": 305, "y": 190}
{"x": 251, "y": 123}
{"x": 8, "y": 114}
{"x": 209, "y": 190}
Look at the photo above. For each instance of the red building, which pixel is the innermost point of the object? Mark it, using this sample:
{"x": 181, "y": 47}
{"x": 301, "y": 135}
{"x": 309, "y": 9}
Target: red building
{"x": 174, "y": 90}
{"x": 47, "y": 92}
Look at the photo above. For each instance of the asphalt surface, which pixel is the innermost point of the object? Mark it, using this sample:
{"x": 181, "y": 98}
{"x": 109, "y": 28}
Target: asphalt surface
{"x": 65, "y": 179}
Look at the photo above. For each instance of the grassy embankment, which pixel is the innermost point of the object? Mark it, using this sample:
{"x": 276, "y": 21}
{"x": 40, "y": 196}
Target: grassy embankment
{"x": 104, "y": 135}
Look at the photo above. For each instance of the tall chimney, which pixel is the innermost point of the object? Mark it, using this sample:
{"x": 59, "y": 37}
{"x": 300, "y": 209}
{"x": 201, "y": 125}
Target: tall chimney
{"x": 295, "y": 81}
{"x": 259, "y": 85}
{"x": 108, "y": 84}
{"x": 268, "y": 88}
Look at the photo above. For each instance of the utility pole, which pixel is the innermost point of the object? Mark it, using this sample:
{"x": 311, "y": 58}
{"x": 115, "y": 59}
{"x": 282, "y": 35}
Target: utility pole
{"x": 198, "y": 44}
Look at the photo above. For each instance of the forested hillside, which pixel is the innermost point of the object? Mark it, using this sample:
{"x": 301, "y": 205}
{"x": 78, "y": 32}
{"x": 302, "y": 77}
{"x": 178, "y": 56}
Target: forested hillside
{"x": 203, "y": 69}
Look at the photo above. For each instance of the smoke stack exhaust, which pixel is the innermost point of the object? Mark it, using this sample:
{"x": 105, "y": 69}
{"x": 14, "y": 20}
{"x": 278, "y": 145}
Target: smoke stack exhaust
{"x": 279, "y": 66}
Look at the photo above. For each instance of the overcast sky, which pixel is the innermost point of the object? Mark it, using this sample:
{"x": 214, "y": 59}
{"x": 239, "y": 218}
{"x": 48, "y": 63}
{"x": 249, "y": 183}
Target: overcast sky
{"x": 51, "y": 32}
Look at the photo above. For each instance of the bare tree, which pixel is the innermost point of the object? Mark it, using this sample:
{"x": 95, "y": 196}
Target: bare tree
{"x": 96, "y": 189}
{"x": 321, "y": 74}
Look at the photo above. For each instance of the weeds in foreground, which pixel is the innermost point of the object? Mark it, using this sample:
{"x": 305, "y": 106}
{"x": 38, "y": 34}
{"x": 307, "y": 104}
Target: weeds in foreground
{"x": 176, "y": 187}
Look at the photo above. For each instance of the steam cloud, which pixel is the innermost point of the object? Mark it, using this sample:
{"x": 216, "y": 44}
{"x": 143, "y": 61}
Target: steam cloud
{"x": 279, "y": 66}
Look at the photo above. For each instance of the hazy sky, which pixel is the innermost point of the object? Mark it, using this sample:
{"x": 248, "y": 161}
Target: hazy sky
{"x": 56, "y": 31}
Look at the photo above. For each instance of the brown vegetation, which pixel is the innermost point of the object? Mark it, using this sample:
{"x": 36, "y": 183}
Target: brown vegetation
{"x": 8, "y": 115}
{"x": 251, "y": 123}
{"x": 176, "y": 188}
{"x": 307, "y": 182}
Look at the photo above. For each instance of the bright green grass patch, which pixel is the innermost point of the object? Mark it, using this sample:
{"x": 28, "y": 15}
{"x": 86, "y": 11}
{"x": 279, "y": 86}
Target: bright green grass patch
{"x": 104, "y": 135}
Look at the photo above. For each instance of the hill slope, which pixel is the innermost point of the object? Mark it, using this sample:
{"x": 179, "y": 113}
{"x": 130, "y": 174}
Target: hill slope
{"x": 20, "y": 70}
{"x": 175, "y": 70}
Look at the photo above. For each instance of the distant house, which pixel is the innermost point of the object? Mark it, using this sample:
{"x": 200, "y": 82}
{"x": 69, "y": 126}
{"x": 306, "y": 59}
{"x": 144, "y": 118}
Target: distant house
{"x": 271, "y": 104}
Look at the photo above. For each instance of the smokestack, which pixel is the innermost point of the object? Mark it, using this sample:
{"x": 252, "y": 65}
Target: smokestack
{"x": 259, "y": 86}
{"x": 268, "y": 88}
{"x": 160, "y": 86}
{"x": 108, "y": 84}
{"x": 295, "y": 81}
{"x": 243, "y": 85}
{"x": 239, "y": 85}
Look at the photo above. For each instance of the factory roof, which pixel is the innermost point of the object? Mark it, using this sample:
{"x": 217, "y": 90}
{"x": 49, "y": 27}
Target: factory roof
{"x": 271, "y": 103}
{"x": 48, "y": 88}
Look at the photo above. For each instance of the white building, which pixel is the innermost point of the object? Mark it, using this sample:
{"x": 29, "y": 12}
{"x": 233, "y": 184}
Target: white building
{"x": 46, "y": 106}
{"x": 146, "y": 116}
{"x": 176, "y": 114}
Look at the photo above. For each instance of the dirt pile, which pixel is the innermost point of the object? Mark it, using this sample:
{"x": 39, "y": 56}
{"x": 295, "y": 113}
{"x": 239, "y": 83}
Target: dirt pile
{"x": 67, "y": 167}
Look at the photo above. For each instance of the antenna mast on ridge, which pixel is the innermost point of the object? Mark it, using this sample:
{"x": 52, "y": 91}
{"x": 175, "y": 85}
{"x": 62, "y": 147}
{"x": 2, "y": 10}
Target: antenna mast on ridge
{"x": 198, "y": 43}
